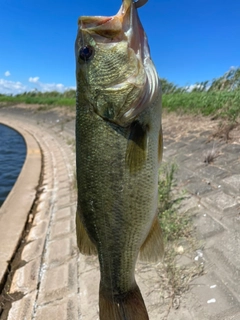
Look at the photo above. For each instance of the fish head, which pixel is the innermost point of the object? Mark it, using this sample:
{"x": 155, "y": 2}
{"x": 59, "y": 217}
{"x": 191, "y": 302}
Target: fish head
{"x": 115, "y": 75}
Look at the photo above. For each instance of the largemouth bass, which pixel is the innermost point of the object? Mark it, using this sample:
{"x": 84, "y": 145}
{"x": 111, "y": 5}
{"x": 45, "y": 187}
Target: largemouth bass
{"x": 118, "y": 150}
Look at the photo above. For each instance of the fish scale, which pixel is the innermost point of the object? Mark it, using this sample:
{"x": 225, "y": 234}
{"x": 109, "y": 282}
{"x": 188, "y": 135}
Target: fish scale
{"x": 117, "y": 158}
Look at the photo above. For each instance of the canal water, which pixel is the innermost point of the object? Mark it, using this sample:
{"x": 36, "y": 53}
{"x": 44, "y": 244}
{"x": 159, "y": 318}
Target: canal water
{"x": 12, "y": 156}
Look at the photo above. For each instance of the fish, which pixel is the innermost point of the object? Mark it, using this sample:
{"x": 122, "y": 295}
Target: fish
{"x": 119, "y": 147}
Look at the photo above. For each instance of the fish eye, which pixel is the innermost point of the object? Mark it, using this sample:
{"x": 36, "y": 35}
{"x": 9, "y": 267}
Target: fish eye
{"x": 86, "y": 52}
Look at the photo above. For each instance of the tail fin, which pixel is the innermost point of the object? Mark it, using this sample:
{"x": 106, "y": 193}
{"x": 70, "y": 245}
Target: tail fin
{"x": 128, "y": 306}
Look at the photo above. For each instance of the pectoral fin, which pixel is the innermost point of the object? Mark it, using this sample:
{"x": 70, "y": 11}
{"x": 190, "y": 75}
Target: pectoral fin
{"x": 84, "y": 243}
{"x": 136, "y": 153}
{"x": 153, "y": 248}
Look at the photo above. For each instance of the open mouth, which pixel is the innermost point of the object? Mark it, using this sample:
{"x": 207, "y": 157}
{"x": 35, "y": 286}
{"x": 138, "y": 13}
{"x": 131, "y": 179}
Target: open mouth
{"x": 93, "y": 22}
{"x": 125, "y": 25}
{"x": 109, "y": 27}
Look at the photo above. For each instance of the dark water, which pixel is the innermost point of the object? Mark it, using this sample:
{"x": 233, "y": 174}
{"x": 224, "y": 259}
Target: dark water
{"x": 12, "y": 156}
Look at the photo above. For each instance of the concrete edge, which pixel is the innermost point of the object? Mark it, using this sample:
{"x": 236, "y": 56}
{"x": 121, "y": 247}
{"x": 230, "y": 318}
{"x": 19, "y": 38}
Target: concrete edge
{"x": 16, "y": 208}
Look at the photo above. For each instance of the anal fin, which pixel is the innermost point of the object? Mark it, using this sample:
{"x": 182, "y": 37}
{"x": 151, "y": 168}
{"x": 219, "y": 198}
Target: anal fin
{"x": 153, "y": 247}
{"x": 84, "y": 243}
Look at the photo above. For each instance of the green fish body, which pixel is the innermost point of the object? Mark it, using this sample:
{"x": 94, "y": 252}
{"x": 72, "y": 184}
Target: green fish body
{"x": 118, "y": 149}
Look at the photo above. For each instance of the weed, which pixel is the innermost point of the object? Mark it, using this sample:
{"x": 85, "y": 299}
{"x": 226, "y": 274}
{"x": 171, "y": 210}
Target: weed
{"x": 224, "y": 129}
{"x": 174, "y": 225}
{"x": 70, "y": 141}
{"x": 179, "y": 240}
{"x": 43, "y": 108}
{"x": 74, "y": 181}
{"x": 222, "y": 104}
{"x": 211, "y": 155}
{"x": 166, "y": 182}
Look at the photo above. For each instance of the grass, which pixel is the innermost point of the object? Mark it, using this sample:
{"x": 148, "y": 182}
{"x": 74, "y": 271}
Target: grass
{"x": 179, "y": 240}
{"x": 174, "y": 225}
{"x": 220, "y": 104}
{"x": 46, "y": 100}
{"x": 211, "y": 155}
{"x": 218, "y": 98}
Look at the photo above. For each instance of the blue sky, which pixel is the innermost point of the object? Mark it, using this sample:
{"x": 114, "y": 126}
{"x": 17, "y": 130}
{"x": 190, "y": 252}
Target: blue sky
{"x": 190, "y": 41}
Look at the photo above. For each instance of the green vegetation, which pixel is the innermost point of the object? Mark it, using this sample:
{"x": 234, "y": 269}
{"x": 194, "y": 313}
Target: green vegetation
{"x": 218, "y": 98}
{"x": 218, "y": 104}
{"x": 47, "y": 99}
{"x": 180, "y": 241}
{"x": 174, "y": 225}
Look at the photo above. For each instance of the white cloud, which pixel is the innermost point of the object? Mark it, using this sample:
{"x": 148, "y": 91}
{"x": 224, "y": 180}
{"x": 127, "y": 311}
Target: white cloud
{"x": 33, "y": 79}
{"x": 45, "y": 87}
{"x": 11, "y": 87}
{"x": 7, "y": 73}
{"x": 52, "y": 87}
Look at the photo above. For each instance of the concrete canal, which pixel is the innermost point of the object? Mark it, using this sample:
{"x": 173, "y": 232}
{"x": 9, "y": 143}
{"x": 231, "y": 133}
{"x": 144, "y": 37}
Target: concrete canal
{"x": 12, "y": 156}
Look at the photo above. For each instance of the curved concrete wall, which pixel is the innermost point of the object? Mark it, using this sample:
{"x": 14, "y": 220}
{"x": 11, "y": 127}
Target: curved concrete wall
{"x": 15, "y": 209}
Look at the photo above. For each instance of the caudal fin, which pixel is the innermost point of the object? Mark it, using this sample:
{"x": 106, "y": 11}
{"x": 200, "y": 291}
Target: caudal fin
{"x": 128, "y": 306}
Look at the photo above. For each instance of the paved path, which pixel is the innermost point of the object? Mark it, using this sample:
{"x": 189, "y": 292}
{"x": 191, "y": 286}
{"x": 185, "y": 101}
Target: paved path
{"x": 48, "y": 267}
{"x": 44, "y": 285}
{"x": 215, "y": 205}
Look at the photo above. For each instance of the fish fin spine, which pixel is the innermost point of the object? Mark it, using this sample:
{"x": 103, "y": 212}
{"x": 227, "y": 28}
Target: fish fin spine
{"x": 128, "y": 306}
{"x": 152, "y": 250}
{"x": 85, "y": 245}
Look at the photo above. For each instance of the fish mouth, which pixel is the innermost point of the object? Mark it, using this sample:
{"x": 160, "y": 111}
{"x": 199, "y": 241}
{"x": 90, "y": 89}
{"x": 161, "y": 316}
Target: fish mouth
{"x": 126, "y": 26}
{"x": 116, "y": 28}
